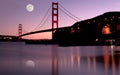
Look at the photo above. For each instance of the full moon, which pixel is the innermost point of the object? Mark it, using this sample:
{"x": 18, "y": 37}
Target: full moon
{"x": 30, "y": 7}
{"x": 30, "y": 63}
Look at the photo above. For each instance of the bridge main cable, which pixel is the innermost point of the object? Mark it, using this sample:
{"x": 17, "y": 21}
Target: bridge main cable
{"x": 40, "y": 31}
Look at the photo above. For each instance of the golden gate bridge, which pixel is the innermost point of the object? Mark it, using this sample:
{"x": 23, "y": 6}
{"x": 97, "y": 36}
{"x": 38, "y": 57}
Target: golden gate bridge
{"x": 55, "y": 21}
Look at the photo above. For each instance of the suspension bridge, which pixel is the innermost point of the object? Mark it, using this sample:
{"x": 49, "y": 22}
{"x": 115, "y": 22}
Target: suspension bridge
{"x": 54, "y": 25}
{"x": 55, "y": 21}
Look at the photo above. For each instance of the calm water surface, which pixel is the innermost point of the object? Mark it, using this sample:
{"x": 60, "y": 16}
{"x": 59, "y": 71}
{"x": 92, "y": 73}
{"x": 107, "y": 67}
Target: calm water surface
{"x": 22, "y": 59}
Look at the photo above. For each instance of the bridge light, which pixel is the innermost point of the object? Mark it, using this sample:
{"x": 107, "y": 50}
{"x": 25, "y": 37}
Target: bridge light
{"x": 10, "y": 38}
{"x": 54, "y": 31}
{"x": 94, "y": 21}
{"x": 78, "y": 29}
{"x": 88, "y": 22}
{"x": 72, "y": 30}
{"x": 119, "y": 17}
{"x": 4, "y": 37}
{"x": 106, "y": 29}
{"x": 106, "y": 19}
{"x": 113, "y": 17}
{"x": 59, "y": 30}
{"x": 96, "y": 39}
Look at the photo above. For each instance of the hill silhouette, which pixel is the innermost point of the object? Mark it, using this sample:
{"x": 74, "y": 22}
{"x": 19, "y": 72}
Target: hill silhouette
{"x": 100, "y": 30}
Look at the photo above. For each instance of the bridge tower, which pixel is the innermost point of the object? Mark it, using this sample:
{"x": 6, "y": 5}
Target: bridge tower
{"x": 20, "y": 31}
{"x": 54, "y": 17}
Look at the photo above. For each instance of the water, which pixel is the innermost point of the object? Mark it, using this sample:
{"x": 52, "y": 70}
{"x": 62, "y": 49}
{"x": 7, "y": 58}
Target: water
{"x": 21, "y": 59}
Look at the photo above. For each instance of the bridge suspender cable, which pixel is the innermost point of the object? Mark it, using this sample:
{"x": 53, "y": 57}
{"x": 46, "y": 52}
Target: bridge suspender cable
{"x": 44, "y": 19}
{"x": 69, "y": 13}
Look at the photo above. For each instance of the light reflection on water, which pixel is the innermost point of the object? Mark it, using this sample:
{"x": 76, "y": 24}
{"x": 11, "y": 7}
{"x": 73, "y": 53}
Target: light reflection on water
{"x": 21, "y": 59}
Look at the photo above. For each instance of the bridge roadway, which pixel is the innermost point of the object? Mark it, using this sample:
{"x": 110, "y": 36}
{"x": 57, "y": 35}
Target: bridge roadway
{"x": 41, "y": 31}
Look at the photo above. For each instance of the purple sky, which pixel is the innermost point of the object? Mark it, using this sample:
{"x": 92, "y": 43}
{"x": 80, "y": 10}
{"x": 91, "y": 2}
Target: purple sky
{"x": 13, "y": 12}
